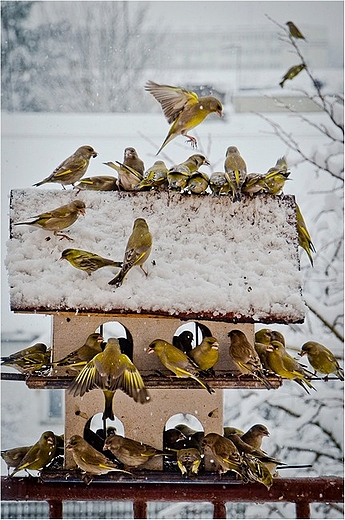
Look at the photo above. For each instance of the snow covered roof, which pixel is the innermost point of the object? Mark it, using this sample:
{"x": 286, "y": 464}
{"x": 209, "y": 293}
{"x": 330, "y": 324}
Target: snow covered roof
{"x": 211, "y": 258}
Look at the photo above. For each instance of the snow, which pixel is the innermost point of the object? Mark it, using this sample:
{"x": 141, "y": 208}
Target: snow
{"x": 209, "y": 255}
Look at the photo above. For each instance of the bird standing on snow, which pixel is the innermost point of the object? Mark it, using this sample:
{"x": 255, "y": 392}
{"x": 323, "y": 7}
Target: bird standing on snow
{"x": 183, "y": 108}
{"x": 98, "y": 183}
{"x": 235, "y": 171}
{"x": 87, "y": 261}
{"x": 71, "y": 169}
{"x": 130, "y": 171}
{"x": 138, "y": 250}
{"x": 59, "y": 218}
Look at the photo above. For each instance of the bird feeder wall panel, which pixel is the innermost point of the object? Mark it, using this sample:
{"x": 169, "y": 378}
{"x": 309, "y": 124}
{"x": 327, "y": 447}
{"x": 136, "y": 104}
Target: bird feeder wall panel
{"x": 212, "y": 259}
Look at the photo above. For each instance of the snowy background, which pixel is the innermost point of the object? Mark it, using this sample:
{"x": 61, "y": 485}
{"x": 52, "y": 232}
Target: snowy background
{"x": 304, "y": 428}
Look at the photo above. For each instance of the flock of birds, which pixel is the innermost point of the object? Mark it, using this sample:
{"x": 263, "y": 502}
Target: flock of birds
{"x": 108, "y": 366}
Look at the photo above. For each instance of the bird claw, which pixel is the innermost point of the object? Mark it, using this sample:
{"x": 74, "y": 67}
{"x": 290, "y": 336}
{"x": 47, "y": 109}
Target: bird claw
{"x": 192, "y": 141}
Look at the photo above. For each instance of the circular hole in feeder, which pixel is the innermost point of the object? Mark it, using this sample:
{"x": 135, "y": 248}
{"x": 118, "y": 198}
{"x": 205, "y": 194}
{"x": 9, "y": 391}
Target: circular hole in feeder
{"x": 189, "y": 335}
{"x": 115, "y": 329}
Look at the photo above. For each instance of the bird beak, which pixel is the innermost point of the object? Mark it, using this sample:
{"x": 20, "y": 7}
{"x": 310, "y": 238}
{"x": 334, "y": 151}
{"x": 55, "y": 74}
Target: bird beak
{"x": 302, "y": 353}
{"x": 50, "y": 440}
{"x": 206, "y": 162}
{"x": 94, "y": 154}
{"x": 269, "y": 348}
{"x": 82, "y": 211}
{"x": 149, "y": 350}
{"x": 220, "y": 113}
{"x": 215, "y": 346}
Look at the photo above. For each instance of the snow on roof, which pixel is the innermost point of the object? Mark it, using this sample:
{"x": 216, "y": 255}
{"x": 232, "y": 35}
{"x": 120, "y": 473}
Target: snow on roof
{"x": 211, "y": 258}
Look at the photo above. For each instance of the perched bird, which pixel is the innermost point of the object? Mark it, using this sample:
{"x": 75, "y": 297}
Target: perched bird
{"x": 259, "y": 470}
{"x": 322, "y": 359}
{"x": 130, "y": 171}
{"x": 178, "y": 180}
{"x": 28, "y": 360}
{"x": 304, "y": 238}
{"x": 176, "y": 361}
{"x": 248, "y": 449}
{"x": 193, "y": 437}
{"x": 254, "y": 184}
{"x": 98, "y": 183}
{"x": 71, "y": 169}
{"x": 255, "y": 435}
{"x": 14, "y": 456}
{"x": 59, "y": 218}
{"x": 87, "y": 261}
{"x": 138, "y": 250}
{"x": 89, "y": 460}
{"x": 219, "y": 184}
{"x": 77, "y": 359}
{"x": 235, "y": 171}
{"x": 183, "y": 108}
{"x": 284, "y": 365}
{"x": 245, "y": 356}
{"x": 184, "y": 341}
{"x": 276, "y": 177}
{"x": 193, "y": 163}
{"x": 131, "y": 453}
{"x": 292, "y": 73}
{"x": 154, "y": 177}
{"x": 188, "y": 461}
{"x": 226, "y": 454}
{"x": 294, "y": 31}
{"x": 110, "y": 370}
{"x": 230, "y": 430}
{"x": 39, "y": 455}
{"x": 206, "y": 354}
{"x": 262, "y": 341}
{"x": 197, "y": 183}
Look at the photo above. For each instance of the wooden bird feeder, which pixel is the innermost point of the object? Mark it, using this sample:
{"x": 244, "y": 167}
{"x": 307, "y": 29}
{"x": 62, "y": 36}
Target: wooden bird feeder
{"x": 222, "y": 264}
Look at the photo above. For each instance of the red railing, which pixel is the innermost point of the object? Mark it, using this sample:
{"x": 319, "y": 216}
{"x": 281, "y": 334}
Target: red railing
{"x": 158, "y": 486}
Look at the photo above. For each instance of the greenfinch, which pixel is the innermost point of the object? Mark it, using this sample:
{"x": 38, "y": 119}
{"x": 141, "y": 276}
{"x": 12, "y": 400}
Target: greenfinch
{"x": 77, "y": 359}
{"x": 294, "y": 31}
{"x": 28, "y": 360}
{"x": 39, "y": 455}
{"x": 155, "y": 177}
{"x": 304, "y": 239}
{"x": 292, "y": 73}
{"x": 197, "y": 183}
{"x": 71, "y": 169}
{"x": 110, "y": 370}
{"x": 206, "y": 354}
{"x": 254, "y": 184}
{"x": 59, "y": 218}
{"x": 248, "y": 449}
{"x": 130, "y": 171}
{"x": 322, "y": 359}
{"x": 230, "y": 430}
{"x": 138, "y": 250}
{"x": 235, "y": 171}
{"x": 259, "y": 470}
{"x": 89, "y": 460}
{"x": 262, "y": 341}
{"x": 219, "y": 184}
{"x": 178, "y": 180}
{"x": 98, "y": 183}
{"x": 183, "y": 108}
{"x": 255, "y": 435}
{"x": 193, "y": 163}
{"x": 184, "y": 341}
{"x": 284, "y": 365}
{"x": 14, "y": 456}
{"x": 225, "y": 454}
{"x": 176, "y": 361}
{"x": 87, "y": 261}
{"x": 276, "y": 177}
{"x": 131, "y": 453}
{"x": 245, "y": 357}
{"x": 193, "y": 437}
{"x": 188, "y": 461}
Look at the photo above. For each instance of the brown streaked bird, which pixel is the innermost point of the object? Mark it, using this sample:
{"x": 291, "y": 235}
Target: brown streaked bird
{"x": 183, "y": 109}
{"x": 14, "y": 456}
{"x": 110, "y": 370}
{"x": 130, "y": 171}
{"x": 245, "y": 357}
{"x": 255, "y": 435}
{"x": 133, "y": 454}
{"x": 58, "y": 219}
{"x": 71, "y": 169}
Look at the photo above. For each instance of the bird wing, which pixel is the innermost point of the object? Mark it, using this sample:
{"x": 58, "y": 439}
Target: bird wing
{"x": 86, "y": 380}
{"x": 172, "y": 99}
{"x": 70, "y": 164}
{"x": 130, "y": 381}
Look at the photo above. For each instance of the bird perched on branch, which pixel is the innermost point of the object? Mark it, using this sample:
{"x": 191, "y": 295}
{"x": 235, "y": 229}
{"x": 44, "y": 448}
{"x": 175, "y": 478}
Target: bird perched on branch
{"x": 235, "y": 171}
{"x": 183, "y": 108}
{"x": 177, "y": 361}
{"x": 39, "y": 455}
{"x": 137, "y": 251}
{"x": 59, "y": 218}
{"x": 71, "y": 169}
{"x": 245, "y": 357}
{"x": 87, "y": 261}
{"x": 133, "y": 454}
{"x": 294, "y": 31}
{"x": 98, "y": 183}
{"x": 322, "y": 359}
{"x": 77, "y": 359}
{"x": 130, "y": 171}
{"x": 28, "y": 360}
{"x": 110, "y": 370}
{"x": 292, "y": 73}
{"x": 89, "y": 460}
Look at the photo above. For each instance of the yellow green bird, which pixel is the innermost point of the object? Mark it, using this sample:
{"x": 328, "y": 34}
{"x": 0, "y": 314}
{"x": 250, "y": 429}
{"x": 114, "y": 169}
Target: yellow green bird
{"x": 183, "y": 108}
{"x": 87, "y": 261}
{"x": 304, "y": 238}
{"x": 98, "y": 183}
{"x": 292, "y": 73}
{"x": 235, "y": 171}
{"x": 294, "y": 31}
{"x": 206, "y": 354}
{"x": 322, "y": 359}
{"x": 28, "y": 360}
{"x": 154, "y": 177}
{"x": 39, "y": 455}
{"x": 132, "y": 453}
{"x": 79, "y": 357}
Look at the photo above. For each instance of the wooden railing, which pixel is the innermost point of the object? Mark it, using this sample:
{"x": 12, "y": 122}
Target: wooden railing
{"x": 161, "y": 486}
